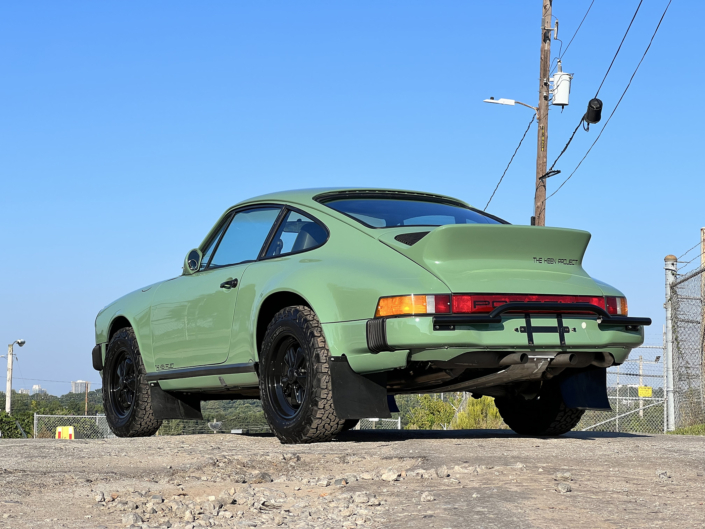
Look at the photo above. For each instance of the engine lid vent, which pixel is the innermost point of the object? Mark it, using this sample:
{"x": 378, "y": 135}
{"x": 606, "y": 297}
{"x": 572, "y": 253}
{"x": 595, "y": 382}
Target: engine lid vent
{"x": 411, "y": 238}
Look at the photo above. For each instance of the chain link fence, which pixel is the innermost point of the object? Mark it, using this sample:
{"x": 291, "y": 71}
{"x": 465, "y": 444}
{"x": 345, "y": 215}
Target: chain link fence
{"x": 84, "y": 426}
{"x": 687, "y": 343}
{"x": 193, "y": 427}
{"x": 379, "y": 424}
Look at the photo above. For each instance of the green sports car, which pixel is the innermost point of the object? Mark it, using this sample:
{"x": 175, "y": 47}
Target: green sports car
{"x": 326, "y": 303}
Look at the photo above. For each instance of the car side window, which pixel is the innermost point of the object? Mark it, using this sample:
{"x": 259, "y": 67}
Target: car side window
{"x": 297, "y": 233}
{"x": 244, "y": 237}
{"x": 208, "y": 250}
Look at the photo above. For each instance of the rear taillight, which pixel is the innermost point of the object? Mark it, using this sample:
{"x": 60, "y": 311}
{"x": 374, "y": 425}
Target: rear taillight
{"x": 413, "y": 304}
{"x": 617, "y": 305}
{"x": 483, "y": 303}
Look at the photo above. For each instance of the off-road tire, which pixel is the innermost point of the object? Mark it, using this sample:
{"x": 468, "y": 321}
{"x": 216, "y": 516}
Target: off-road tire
{"x": 546, "y": 414}
{"x": 139, "y": 421}
{"x": 315, "y": 420}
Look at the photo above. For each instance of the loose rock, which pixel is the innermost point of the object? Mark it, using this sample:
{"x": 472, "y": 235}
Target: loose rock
{"x": 390, "y": 475}
{"x": 427, "y": 496}
{"x": 563, "y": 487}
{"x": 261, "y": 477}
{"x": 131, "y": 518}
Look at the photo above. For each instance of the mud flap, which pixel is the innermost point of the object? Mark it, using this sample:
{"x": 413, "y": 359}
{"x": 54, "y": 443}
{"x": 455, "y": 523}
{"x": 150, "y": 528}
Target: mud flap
{"x": 356, "y": 396}
{"x": 586, "y": 389}
{"x": 174, "y": 405}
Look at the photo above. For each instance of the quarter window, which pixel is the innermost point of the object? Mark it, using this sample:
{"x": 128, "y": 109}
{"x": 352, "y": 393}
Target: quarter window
{"x": 244, "y": 237}
{"x": 297, "y": 233}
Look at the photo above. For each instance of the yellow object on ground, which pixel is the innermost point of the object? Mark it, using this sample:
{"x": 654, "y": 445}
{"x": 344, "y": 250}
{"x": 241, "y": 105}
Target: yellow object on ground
{"x": 64, "y": 432}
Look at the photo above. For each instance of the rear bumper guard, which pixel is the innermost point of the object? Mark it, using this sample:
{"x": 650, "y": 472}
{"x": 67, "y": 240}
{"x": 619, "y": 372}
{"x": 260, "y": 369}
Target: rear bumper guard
{"x": 604, "y": 318}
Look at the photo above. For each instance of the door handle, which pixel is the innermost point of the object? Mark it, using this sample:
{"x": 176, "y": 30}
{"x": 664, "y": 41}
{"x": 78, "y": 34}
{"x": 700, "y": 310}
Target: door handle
{"x": 231, "y": 283}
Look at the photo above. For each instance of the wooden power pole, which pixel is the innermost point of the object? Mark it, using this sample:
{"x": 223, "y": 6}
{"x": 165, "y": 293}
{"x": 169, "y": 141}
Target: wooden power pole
{"x": 542, "y": 146}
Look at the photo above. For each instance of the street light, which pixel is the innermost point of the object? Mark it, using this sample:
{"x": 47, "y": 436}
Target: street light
{"x": 10, "y": 356}
{"x": 510, "y": 102}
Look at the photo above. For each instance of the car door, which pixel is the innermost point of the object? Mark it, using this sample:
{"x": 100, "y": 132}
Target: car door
{"x": 192, "y": 315}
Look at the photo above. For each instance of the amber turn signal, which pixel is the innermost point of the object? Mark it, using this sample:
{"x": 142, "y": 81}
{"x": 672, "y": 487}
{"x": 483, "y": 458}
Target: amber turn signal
{"x": 413, "y": 304}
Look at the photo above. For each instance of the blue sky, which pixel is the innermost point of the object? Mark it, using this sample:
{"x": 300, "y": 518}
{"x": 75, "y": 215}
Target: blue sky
{"x": 127, "y": 128}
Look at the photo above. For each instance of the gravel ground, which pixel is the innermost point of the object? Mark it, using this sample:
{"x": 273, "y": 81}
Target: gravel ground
{"x": 480, "y": 478}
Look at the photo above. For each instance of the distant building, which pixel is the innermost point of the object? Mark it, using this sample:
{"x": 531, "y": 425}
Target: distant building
{"x": 24, "y": 392}
{"x": 38, "y": 390}
{"x": 80, "y": 386}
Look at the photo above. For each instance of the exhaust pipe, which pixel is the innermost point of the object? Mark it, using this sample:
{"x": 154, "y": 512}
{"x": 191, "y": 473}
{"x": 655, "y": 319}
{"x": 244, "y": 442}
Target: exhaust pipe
{"x": 513, "y": 359}
{"x": 603, "y": 360}
{"x": 565, "y": 360}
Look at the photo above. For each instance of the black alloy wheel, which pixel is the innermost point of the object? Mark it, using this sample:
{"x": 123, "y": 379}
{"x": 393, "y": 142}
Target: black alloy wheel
{"x": 294, "y": 378}
{"x": 127, "y": 398}
{"x": 123, "y": 385}
{"x": 288, "y": 380}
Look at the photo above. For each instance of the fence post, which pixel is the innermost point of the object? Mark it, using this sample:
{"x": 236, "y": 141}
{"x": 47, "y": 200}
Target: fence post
{"x": 671, "y": 272}
{"x": 35, "y": 425}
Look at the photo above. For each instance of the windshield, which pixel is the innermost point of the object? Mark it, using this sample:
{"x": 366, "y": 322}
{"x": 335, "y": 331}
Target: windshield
{"x": 390, "y": 213}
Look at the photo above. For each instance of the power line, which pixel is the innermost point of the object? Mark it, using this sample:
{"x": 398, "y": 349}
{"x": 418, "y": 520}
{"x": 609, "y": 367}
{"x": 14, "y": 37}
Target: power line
{"x": 603, "y": 79}
{"x": 562, "y": 52}
{"x": 620, "y": 99}
{"x": 620, "y": 45}
{"x": 510, "y": 161}
{"x": 61, "y": 381}
{"x": 576, "y": 31}
{"x": 566, "y": 145}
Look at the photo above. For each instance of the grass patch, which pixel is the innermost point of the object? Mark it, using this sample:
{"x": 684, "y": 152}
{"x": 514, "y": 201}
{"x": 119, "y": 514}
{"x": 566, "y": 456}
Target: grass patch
{"x": 696, "y": 429}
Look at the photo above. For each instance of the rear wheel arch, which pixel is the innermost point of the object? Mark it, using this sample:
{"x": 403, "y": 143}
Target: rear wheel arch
{"x": 271, "y": 306}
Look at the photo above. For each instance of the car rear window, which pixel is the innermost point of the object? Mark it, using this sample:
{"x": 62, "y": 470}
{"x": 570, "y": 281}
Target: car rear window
{"x": 392, "y": 213}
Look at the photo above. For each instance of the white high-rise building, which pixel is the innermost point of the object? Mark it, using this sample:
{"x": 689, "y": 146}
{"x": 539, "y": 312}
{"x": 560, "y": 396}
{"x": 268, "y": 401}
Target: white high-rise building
{"x": 24, "y": 392}
{"x": 38, "y": 390}
{"x": 80, "y": 386}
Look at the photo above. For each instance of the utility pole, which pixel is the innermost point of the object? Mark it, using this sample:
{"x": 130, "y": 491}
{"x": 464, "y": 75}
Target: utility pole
{"x": 8, "y": 390}
{"x": 542, "y": 144}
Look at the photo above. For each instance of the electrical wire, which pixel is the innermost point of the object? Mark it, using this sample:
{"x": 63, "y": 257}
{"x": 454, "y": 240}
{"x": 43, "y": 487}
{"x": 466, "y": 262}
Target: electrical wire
{"x": 566, "y": 145}
{"x": 618, "y": 102}
{"x": 620, "y": 46}
{"x": 510, "y": 161}
{"x": 61, "y": 381}
{"x": 576, "y": 31}
{"x": 562, "y": 52}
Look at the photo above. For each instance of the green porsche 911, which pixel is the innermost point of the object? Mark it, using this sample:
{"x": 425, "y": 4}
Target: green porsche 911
{"x": 326, "y": 303}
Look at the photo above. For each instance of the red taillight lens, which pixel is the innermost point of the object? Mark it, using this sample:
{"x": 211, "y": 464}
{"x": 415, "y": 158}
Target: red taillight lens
{"x": 482, "y": 303}
{"x": 617, "y": 305}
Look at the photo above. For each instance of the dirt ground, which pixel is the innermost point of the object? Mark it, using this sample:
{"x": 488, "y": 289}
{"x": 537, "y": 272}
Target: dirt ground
{"x": 410, "y": 479}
